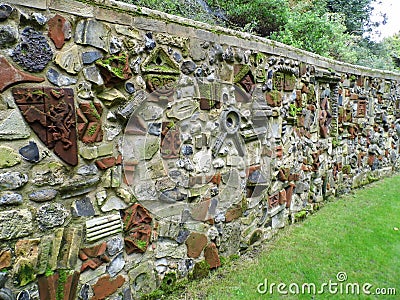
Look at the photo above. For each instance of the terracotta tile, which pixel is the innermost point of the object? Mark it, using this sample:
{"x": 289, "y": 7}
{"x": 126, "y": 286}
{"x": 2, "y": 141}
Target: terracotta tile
{"x": 10, "y": 75}
{"x": 195, "y": 244}
{"x": 134, "y": 216}
{"x": 105, "y": 286}
{"x": 93, "y": 257}
{"x": 211, "y": 256}
{"x": 273, "y": 200}
{"x": 59, "y": 29}
{"x": 48, "y": 287}
{"x": 71, "y": 286}
{"x": 233, "y": 214}
{"x": 5, "y": 259}
{"x": 89, "y": 122}
{"x": 138, "y": 239}
{"x": 282, "y": 197}
{"x": 109, "y": 162}
{"x": 170, "y": 141}
{"x": 51, "y": 114}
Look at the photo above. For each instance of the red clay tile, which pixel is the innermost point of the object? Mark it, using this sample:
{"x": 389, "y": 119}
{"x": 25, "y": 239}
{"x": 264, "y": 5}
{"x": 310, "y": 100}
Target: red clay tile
{"x": 9, "y": 75}
{"x": 59, "y": 28}
{"x": 51, "y": 114}
{"x": 105, "y": 287}
{"x": 211, "y": 256}
{"x": 195, "y": 244}
{"x": 5, "y": 259}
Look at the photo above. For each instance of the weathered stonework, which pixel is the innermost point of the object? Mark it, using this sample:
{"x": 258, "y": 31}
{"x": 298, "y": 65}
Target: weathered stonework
{"x": 142, "y": 148}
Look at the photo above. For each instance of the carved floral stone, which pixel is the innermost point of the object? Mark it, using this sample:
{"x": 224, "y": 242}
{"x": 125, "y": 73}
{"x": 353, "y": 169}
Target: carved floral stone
{"x": 33, "y": 53}
{"x": 137, "y": 228}
{"x": 244, "y": 77}
{"x": 93, "y": 257}
{"x": 89, "y": 122}
{"x": 161, "y": 73}
{"x": 51, "y": 114}
{"x": 9, "y": 75}
{"x": 114, "y": 69}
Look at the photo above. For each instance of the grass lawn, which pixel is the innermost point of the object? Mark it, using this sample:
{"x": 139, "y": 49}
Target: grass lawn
{"x": 356, "y": 234}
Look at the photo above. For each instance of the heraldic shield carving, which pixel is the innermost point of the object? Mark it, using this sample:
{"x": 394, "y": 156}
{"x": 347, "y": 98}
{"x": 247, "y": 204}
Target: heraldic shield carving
{"x": 50, "y": 112}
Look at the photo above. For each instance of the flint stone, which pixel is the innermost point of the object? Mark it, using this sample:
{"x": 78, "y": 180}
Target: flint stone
{"x": 115, "y": 245}
{"x": 59, "y": 79}
{"x": 8, "y": 36}
{"x": 130, "y": 87}
{"x": 83, "y": 208}
{"x": 5, "y": 11}
{"x": 90, "y": 57}
{"x": 12, "y": 180}
{"x": 188, "y": 67}
{"x": 87, "y": 170}
{"x": 92, "y": 74}
{"x": 113, "y": 203}
{"x": 30, "y": 152}
{"x": 8, "y": 198}
{"x": 70, "y": 60}
{"x": 116, "y": 265}
{"x": 43, "y": 195}
{"x": 40, "y": 19}
{"x": 51, "y": 215}
{"x": 34, "y": 52}
{"x": 15, "y": 224}
{"x": 12, "y": 126}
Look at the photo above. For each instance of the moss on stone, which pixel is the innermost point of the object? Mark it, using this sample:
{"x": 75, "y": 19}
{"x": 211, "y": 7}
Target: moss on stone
{"x": 201, "y": 270}
{"x": 25, "y": 274}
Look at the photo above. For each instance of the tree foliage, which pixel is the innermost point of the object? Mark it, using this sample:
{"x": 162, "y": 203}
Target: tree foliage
{"x": 333, "y": 28}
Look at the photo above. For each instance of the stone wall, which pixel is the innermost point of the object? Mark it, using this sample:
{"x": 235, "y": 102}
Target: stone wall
{"x": 139, "y": 148}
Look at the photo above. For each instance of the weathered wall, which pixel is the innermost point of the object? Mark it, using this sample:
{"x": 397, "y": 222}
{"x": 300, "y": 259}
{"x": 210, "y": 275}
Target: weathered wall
{"x": 136, "y": 146}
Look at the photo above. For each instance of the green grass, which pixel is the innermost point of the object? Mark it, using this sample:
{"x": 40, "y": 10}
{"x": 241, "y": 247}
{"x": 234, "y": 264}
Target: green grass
{"x": 354, "y": 234}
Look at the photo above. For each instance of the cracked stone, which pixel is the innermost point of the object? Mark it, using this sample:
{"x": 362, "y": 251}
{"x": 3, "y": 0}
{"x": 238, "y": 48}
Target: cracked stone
{"x": 188, "y": 67}
{"x": 92, "y": 74}
{"x": 39, "y": 18}
{"x": 43, "y": 195}
{"x": 12, "y": 180}
{"x": 5, "y": 11}
{"x": 115, "y": 245}
{"x": 51, "y": 215}
{"x": 93, "y": 33}
{"x": 59, "y": 79}
{"x": 83, "y": 208}
{"x": 90, "y": 57}
{"x": 15, "y": 224}
{"x": 9, "y": 198}
{"x": 113, "y": 203}
{"x": 70, "y": 60}
{"x": 8, "y": 36}
{"x": 116, "y": 265}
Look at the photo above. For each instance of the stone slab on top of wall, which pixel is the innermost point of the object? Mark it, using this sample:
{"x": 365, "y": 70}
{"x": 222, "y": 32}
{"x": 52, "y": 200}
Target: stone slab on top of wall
{"x": 141, "y": 147}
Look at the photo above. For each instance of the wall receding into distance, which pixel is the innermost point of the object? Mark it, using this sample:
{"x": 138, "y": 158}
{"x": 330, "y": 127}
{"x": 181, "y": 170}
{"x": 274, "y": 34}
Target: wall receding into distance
{"x": 139, "y": 148}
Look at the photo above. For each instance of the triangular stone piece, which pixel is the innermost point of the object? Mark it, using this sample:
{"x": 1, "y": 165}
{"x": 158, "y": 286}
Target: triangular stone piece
{"x": 10, "y": 75}
{"x": 159, "y": 62}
